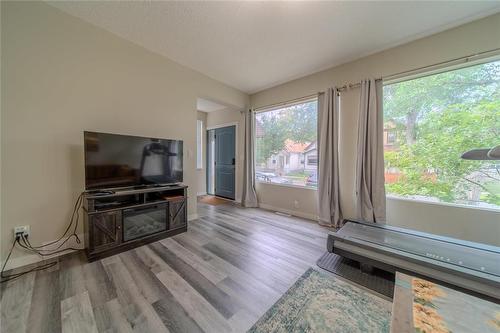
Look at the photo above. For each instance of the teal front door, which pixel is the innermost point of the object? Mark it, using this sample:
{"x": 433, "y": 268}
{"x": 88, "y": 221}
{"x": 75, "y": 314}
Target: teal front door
{"x": 225, "y": 161}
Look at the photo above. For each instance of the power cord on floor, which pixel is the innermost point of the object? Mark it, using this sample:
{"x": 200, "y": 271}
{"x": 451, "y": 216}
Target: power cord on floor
{"x": 6, "y": 278}
{"x": 25, "y": 244}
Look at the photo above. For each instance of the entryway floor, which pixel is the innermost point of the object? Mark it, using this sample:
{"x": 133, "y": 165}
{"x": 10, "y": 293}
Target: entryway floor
{"x": 213, "y": 200}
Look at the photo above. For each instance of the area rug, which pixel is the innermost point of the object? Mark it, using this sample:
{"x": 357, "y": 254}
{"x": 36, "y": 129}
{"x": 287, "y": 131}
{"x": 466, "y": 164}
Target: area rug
{"x": 213, "y": 200}
{"x": 319, "y": 302}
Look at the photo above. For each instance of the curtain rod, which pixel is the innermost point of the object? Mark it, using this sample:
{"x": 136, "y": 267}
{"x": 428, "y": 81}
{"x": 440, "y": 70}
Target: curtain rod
{"x": 352, "y": 85}
{"x": 464, "y": 59}
{"x": 394, "y": 76}
{"x": 275, "y": 105}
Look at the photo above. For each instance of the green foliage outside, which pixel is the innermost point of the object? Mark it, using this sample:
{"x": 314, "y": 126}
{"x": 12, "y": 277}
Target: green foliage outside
{"x": 297, "y": 123}
{"x": 436, "y": 119}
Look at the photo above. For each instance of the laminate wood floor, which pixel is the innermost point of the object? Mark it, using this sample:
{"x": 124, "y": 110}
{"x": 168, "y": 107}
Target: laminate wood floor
{"x": 220, "y": 276}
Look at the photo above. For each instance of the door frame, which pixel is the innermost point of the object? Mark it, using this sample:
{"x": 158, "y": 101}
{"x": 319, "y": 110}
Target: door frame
{"x": 236, "y": 154}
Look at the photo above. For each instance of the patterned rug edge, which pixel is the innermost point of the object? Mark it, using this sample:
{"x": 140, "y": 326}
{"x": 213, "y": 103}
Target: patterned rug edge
{"x": 268, "y": 314}
{"x": 295, "y": 289}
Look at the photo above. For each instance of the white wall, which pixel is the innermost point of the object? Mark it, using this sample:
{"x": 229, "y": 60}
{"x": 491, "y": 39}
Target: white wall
{"x": 288, "y": 199}
{"x": 61, "y": 76}
{"x": 475, "y": 225}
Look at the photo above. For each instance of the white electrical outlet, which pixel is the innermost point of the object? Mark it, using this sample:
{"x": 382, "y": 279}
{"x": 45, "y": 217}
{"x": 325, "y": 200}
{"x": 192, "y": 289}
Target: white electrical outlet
{"x": 22, "y": 230}
{"x": 296, "y": 204}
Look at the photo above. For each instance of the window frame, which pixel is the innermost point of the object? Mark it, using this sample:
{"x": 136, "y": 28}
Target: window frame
{"x": 199, "y": 144}
{"x": 426, "y": 72}
{"x": 275, "y": 107}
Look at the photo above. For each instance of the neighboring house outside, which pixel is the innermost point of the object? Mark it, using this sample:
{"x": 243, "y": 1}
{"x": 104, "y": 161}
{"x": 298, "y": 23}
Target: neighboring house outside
{"x": 311, "y": 157}
{"x": 390, "y": 136}
{"x": 294, "y": 164}
{"x": 289, "y": 159}
{"x": 392, "y": 175}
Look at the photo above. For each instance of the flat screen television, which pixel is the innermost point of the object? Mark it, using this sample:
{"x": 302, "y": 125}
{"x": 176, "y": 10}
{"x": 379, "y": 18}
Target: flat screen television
{"x": 113, "y": 160}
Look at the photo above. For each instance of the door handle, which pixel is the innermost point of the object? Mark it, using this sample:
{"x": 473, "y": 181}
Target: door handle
{"x": 234, "y": 161}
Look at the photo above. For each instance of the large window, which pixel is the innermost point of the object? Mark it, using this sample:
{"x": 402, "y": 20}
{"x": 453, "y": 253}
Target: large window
{"x": 285, "y": 145}
{"x": 429, "y": 122}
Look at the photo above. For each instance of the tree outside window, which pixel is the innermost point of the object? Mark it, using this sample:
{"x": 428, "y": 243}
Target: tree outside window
{"x": 429, "y": 122}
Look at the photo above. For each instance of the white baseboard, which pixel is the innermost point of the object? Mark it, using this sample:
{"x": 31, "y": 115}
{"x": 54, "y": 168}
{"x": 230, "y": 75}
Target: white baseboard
{"x": 288, "y": 211}
{"x": 199, "y": 194}
{"x": 192, "y": 217}
{"x": 32, "y": 258}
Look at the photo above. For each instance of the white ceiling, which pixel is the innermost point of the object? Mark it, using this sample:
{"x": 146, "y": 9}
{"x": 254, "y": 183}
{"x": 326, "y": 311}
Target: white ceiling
{"x": 253, "y": 45}
{"x": 206, "y": 105}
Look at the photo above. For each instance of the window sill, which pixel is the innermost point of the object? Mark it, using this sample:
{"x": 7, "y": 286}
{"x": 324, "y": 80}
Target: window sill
{"x": 447, "y": 204}
{"x": 287, "y": 185}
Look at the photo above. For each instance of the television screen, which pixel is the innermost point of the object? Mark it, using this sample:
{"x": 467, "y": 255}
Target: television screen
{"x": 113, "y": 160}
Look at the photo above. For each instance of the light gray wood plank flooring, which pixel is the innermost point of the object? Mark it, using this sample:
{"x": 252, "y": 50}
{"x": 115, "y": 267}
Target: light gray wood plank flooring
{"x": 220, "y": 276}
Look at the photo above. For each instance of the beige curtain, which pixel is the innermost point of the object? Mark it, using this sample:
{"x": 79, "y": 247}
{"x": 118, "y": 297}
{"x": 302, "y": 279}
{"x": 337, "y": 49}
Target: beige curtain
{"x": 249, "y": 196}
{"x": 370, "y": 190}
{"x": 328, "y": 159}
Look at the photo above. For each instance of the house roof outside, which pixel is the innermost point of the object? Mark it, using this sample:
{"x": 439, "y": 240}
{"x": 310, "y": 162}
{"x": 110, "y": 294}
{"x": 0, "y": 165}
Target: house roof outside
{"x": 295, "y": 147}
{"x": 310, "y": 147}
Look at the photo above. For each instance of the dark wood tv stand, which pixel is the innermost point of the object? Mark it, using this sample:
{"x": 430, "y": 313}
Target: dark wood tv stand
{"x": 121, "y": 219}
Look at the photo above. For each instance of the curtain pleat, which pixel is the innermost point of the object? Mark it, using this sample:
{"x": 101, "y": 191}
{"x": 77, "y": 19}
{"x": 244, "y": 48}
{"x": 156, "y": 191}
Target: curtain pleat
{"x": 370, "y": 189}
{"x": 249, "y": 195}
{"x": 328, "y": 162}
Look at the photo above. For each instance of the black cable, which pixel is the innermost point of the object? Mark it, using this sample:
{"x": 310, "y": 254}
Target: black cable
{"x": 26, "y": 246}
{"x": 6, "y": 278}
{"x": 45, "y": 252}
{"x": 40, "y": 252}
{"x": 76, "y": 209}
{"x": 7, "y": 259}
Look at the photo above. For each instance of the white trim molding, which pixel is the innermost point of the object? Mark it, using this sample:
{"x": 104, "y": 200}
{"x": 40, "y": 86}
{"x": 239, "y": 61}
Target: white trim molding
{"x": 236, "y": 151}
{"x": 234, "y": 123}
{"x": 287, "y": 185}
{"x": 296, "y": 213}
